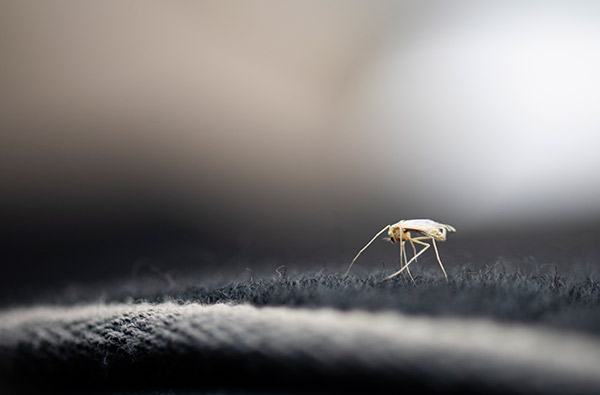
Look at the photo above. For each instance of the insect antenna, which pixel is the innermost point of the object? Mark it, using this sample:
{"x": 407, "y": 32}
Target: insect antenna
{"x": 364, "y": 248}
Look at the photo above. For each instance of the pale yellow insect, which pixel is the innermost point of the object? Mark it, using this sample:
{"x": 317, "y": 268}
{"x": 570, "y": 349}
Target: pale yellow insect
{"x": 400, "y": 231}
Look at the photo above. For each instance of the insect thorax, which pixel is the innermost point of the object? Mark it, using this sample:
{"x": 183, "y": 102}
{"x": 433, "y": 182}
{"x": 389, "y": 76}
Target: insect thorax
{"x": 396, "y": 233}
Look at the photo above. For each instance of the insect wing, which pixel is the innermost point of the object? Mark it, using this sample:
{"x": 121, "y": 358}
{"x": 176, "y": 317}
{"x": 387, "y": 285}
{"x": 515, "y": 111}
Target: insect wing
{"x": 427, "y": 227}
{"x": 418, "y": 223}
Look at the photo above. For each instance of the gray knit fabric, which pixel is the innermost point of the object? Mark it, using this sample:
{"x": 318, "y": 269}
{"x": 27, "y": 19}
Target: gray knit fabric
{"x": 142, "y": 343}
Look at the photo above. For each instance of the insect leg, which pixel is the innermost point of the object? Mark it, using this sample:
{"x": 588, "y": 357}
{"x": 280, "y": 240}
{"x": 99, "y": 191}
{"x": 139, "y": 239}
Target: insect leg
{"x": 407, "y": 269}
{"x": 412, "y": 259}
{"x": 365, "y": 247}
{"x": 437, "y": 254}
{"x": 413, "y": 246}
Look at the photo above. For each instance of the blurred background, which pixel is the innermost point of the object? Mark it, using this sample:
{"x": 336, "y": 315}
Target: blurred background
{"x": 224, "y": 134}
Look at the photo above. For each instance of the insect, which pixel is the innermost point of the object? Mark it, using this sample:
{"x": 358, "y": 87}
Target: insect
{"x": 400, "y": 231}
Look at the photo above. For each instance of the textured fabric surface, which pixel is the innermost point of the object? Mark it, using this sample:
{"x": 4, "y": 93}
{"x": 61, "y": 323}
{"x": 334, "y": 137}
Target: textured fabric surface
{"x": 150, "y": 345}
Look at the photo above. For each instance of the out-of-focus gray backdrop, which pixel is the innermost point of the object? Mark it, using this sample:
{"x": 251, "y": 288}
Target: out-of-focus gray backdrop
{"x": 209, "y": 132}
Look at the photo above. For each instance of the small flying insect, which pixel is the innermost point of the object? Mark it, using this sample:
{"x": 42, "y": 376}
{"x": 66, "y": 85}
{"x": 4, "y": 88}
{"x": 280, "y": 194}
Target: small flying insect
{"x": 400, "y": 231}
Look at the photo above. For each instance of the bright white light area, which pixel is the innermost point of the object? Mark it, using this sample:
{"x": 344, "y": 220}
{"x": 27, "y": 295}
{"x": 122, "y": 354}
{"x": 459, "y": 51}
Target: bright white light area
{"x": 492, "y": 110}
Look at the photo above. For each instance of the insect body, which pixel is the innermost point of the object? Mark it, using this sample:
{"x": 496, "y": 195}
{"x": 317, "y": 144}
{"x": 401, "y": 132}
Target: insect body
{"x": 400, "y": 231}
